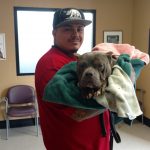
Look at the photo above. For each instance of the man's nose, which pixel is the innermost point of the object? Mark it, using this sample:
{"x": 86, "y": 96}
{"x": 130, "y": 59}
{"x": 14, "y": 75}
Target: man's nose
{"x": 75, "y": 32}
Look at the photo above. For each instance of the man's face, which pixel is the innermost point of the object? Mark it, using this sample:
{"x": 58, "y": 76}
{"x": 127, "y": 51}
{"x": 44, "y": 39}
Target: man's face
{"x": 69, "y": 37}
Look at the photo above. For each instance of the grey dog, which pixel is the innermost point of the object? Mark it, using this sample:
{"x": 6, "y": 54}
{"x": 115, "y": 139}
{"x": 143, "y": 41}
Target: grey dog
{"x": 93, "y": 70}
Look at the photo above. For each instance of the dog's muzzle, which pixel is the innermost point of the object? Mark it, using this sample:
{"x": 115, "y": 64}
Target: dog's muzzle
{"x": 90, "y": 83}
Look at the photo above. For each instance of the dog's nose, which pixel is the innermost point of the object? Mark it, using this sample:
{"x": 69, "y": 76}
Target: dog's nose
{"x": 89, "y": 74}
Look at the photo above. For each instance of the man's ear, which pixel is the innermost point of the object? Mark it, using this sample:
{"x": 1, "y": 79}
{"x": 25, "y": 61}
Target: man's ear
{"x": 53, "y": 32}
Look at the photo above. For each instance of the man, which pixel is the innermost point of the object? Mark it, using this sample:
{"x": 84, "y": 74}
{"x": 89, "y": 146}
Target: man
{"x": 60, "y": 131}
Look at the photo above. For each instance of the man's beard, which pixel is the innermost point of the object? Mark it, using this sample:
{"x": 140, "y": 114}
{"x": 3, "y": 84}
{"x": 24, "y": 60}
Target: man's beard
{"x": 73, "y": 51}
{"x": 69, "y": 52}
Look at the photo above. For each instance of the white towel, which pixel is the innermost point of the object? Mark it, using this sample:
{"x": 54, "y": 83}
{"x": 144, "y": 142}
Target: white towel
{"x": 121, "y": 96}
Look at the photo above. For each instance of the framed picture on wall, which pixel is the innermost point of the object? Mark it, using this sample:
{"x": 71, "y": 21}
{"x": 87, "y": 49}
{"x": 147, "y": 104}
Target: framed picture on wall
{"x": 112, "y": 37}
{"x": 2, "y": 47}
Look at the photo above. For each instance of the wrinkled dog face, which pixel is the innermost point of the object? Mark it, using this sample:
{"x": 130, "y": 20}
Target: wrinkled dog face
{"x": 93, "y": 70}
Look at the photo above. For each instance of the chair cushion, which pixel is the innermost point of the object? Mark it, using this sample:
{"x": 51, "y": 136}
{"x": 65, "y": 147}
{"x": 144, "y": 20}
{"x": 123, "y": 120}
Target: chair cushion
{"x": 21, "y": 111}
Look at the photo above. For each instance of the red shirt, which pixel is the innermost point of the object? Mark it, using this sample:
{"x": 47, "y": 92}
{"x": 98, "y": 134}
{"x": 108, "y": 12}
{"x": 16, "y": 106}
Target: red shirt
{"x": 60, "y": 131}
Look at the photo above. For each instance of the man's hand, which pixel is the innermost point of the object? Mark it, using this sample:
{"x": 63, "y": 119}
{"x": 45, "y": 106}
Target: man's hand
{"x": 82, "y": 114}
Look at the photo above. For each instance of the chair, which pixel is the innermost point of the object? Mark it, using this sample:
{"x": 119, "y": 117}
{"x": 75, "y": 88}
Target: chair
{"x": 21, "y": 102}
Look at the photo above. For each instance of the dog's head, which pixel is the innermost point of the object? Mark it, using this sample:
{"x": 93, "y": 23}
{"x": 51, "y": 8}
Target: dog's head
{"x": 93, "y": 70}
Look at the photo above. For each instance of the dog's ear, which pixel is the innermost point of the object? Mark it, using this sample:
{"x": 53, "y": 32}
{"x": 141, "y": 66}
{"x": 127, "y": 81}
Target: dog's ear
{"x": 111, "y": 58}
{"x": 108, "y": 67}
{"x": 107, "y": 71}
{"x": 77, "y": 55}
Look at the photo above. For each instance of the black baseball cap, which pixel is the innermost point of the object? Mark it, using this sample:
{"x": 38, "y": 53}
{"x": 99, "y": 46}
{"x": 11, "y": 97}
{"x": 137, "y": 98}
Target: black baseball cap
{"x": 69, "y": 16}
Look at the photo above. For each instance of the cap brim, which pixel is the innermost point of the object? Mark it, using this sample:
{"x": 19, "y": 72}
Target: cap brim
{"x": 74, "y": 21}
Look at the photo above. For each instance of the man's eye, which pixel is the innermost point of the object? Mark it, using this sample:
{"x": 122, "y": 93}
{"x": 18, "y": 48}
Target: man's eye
{"x": 67, "y": 29}
{"x": 81, "y": 29}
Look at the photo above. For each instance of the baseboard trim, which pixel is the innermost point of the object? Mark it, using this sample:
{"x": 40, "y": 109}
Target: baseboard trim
{"x": 147, "y": 121}
{"x": 18, "y": 123}
{"x": 31, "y": 122}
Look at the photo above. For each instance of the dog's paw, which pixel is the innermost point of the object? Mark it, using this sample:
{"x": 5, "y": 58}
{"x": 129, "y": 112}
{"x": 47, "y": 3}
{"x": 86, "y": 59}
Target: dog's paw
{"x": 93, "y": 95}
{"x": 89, "y": 96}
{"x": 98, "y": 93}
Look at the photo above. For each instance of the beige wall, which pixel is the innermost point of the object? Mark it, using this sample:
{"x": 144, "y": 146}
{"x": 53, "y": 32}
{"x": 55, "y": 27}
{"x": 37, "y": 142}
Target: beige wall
{"x": 141, "y": 25}
{"x": 110, "y": 15}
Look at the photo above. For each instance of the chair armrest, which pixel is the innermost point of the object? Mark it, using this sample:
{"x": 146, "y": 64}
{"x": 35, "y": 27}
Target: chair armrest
{"x": 4, "y": 100}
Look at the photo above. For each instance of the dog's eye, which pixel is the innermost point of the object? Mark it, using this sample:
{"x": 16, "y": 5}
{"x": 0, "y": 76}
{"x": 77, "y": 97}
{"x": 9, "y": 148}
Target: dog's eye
{"x": 101, "y": 67}
{"x": 83, "y": 64}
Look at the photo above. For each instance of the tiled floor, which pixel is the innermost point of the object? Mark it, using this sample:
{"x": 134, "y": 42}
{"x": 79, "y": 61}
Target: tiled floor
{"x": 23, "y": 138}
{"x": 136, "y": 137}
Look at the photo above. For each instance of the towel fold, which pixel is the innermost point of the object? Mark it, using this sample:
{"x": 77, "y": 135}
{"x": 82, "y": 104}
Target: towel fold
{"x": 121, "y": 96}
{"x": 63, "y": 89}
{"x": 118, "y": 49}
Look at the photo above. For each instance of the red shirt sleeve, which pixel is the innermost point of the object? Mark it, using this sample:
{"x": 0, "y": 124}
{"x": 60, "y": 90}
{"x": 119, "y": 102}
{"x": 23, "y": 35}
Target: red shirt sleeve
{"x": 45, "y": 71}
